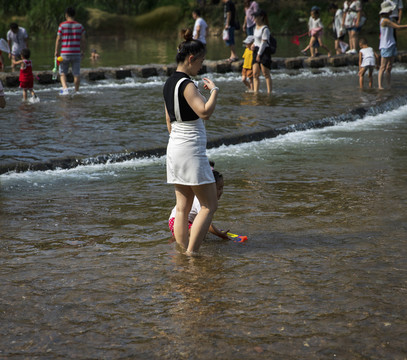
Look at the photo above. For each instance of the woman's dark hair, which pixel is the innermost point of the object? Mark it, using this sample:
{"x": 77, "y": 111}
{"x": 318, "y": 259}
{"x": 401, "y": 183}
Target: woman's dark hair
{"x": 263, "y": 15}
{"x": 197, "y": 11}
{"x": 189, "y": 47}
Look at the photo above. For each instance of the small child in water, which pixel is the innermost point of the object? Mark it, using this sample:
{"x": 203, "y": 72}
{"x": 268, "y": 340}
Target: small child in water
{"x": 368, "y": 60}
{"x": 26, "y": 74}
{"x": 94, "y": 56}
{"x": 315, "y": 31}
{"x": 196, "y": 207}
{"x": 247, "y": 70}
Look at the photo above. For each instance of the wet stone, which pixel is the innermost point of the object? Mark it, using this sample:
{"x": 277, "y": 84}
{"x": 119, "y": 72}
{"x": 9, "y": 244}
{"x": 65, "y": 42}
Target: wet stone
{"x": 96, "y": 75}
{"x": 294, "y": 63}
{"x": 316, "y": 62}
{"x": 122, "y": 74}
{"x": 338, "y": 60}
{"x": 12, "y": 81}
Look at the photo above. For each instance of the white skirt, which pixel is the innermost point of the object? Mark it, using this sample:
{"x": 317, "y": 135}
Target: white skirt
{"x": 187, "y": 163}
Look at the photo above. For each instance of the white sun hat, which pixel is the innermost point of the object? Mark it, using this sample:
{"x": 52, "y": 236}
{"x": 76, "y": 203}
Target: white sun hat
{"x": 387, "y": 7}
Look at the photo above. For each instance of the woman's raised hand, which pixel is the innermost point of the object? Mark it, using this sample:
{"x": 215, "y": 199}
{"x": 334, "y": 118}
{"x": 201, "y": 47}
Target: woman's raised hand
{"x": 208, "y": 84}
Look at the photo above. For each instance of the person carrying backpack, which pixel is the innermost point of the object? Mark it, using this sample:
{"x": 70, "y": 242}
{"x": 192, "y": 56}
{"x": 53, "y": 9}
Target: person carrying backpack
{"x": 262, "y": 51}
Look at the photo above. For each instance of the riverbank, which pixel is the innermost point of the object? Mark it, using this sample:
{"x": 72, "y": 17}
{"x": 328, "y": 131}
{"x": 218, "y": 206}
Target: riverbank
{"x": 209, "y": 66}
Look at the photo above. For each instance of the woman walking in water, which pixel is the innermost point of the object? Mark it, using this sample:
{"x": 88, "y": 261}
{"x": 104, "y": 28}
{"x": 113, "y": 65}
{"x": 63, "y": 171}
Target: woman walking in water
{"x": 187, "y": 164}
{"x": 261, "y": 53}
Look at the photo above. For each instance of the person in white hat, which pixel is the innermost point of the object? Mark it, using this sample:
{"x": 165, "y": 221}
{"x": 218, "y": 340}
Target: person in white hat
{"x": 397, "y": 13}
{"x": 388, "y": 49}
{"x": 247, "y": 68}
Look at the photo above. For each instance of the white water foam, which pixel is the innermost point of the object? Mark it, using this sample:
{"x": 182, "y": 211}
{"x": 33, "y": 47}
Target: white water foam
{"x": 310, "y": 137}
{"x": 95, "y": 87}
{"x": 301, "y": 74}
{"x": 82, "y": 172}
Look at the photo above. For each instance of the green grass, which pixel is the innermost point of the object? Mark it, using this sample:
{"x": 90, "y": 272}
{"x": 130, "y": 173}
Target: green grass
{"x": 159, "y": 20}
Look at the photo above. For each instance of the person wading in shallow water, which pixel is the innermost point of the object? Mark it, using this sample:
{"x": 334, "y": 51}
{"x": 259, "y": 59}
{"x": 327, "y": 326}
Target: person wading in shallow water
{"x": 71, "y": 40}
{"x": 229, "y": 13}
{"x": 261, "y": 52}
{"x": 187, "y": 164}
{"x": 388, "y": 47}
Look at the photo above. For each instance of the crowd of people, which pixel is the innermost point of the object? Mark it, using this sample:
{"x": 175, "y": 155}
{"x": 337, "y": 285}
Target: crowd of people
{"x": 257, "y": 56}
{"x": 350, "y": 21}
{"x": 345, "y": 22}
{"x": 186, "y": 108}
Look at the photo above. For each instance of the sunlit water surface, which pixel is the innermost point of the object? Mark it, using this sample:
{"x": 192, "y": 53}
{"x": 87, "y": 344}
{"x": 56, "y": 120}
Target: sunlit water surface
{"x": 87, "y": 267}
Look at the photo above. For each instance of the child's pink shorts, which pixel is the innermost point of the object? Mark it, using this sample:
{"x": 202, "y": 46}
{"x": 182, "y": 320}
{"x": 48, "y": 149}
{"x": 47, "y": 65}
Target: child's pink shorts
{"x": 171, "y": 225}
{"x": 316, "y": 31}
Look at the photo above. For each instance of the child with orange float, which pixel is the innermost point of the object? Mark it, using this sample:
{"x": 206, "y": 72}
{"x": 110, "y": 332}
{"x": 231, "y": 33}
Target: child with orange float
{"x": 226, "y": 235}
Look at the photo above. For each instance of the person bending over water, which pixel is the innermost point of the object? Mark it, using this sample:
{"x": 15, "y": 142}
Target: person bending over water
{"x": 187, "y": 164}
{"x": 196, "y": 207}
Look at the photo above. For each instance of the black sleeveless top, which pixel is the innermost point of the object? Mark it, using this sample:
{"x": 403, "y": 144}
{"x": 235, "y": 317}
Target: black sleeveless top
{"x": 187, "y": 114}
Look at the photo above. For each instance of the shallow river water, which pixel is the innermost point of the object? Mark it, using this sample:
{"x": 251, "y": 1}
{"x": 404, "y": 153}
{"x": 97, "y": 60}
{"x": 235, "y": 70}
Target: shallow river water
{"x": 87, "y": 267}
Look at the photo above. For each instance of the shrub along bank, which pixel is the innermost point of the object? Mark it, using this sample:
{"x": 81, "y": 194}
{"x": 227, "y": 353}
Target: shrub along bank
{"x": 152, "y": 16}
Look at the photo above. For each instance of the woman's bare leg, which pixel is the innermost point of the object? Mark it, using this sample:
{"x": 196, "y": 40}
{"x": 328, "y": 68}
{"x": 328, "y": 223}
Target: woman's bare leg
{"x": 185, "y": 198}
{"x": 388, "y": 71}
{"x": 266, "y": 73}
{"x": 206, "y": 195}
{"x": 256, "y": 77}
{"x": 385, "y": 68}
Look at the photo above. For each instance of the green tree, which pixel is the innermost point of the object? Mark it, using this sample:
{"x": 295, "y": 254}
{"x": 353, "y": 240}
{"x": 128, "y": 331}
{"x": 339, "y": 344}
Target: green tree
{"x": 45, "y": 15}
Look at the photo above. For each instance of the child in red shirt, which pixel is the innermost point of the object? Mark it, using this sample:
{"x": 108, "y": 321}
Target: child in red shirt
{"x": 26, "y": 74}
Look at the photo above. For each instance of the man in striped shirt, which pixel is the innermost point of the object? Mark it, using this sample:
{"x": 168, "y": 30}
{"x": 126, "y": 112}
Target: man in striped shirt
{"x": 71, "y": 44}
